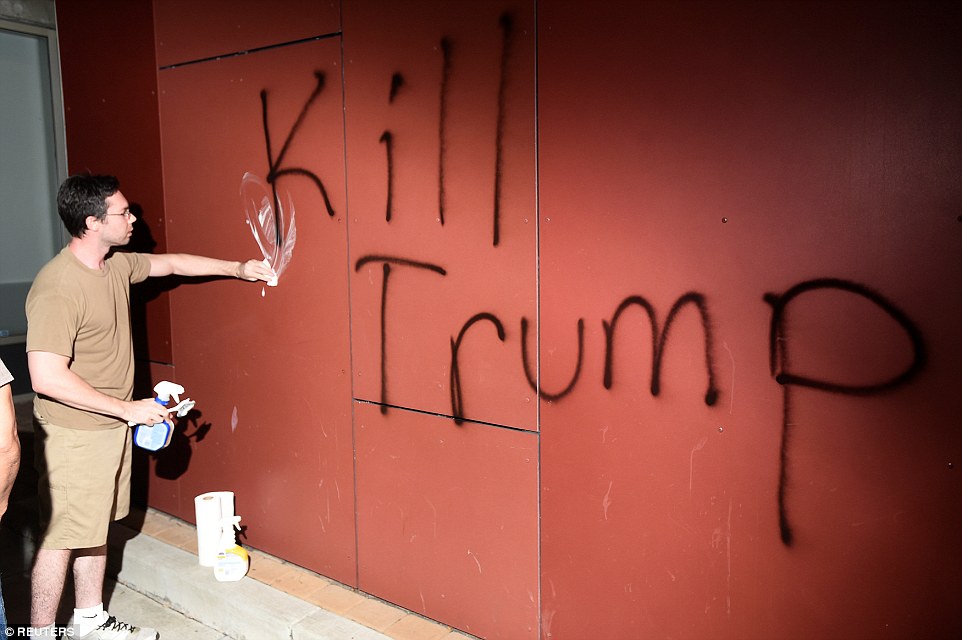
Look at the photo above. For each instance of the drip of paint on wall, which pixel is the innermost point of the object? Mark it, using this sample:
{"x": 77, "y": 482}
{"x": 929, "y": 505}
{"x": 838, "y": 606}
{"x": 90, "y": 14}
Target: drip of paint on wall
{"x": 273, "y": 229}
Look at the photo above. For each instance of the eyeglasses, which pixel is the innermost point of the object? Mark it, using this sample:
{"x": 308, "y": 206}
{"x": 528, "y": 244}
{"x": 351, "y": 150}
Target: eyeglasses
{"x": 126, "y": 214}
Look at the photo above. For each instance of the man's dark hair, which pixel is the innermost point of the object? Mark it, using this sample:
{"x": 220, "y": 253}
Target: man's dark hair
{"x": 84, "y": 195}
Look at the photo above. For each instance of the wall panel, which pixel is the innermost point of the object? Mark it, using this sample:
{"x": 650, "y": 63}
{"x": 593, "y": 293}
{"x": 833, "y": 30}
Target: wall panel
{"x": 699, "y": 157}
{"x": 448, "y": 520}
{"x": 269, "y": 367}
{"x": 440, "y": 152}
{"x": 440, "y": 109}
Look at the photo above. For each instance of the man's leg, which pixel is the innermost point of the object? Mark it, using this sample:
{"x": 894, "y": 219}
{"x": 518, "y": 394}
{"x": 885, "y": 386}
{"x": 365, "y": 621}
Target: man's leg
{"x": 89, "y": 566}
{"x": 49, "y": 574}
{"x": 86, "y": 485}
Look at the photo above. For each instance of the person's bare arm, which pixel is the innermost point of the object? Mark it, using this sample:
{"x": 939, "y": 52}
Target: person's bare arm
{"x": 184, "y": 264}
{"x": 52, "y": 377}
{"x": 9, "y": 446}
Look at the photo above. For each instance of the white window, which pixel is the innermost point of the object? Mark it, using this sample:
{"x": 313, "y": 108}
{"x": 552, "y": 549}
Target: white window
{"x": 32, "y": 163}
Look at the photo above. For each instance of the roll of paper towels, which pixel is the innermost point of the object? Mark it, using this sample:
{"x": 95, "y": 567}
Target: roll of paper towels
{"x": 209, "y": 509}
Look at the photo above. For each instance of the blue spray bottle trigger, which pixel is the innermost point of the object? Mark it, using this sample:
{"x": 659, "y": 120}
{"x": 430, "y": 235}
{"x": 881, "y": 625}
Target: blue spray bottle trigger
{"x": 157, "y": 436}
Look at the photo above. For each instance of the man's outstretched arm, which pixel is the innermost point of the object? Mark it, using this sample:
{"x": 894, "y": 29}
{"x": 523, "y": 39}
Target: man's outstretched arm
{"x": 184, "y": 264}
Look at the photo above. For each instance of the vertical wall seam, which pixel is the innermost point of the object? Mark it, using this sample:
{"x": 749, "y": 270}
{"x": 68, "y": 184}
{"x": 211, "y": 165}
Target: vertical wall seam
{"x": 537, "y": 284}
{"x": 350, "y": 320}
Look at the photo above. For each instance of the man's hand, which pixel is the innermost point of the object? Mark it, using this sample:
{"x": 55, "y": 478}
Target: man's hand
{"x": 145, "y": 411}
{"x": 51, "y": 376}
{"x": 255, "y": 270}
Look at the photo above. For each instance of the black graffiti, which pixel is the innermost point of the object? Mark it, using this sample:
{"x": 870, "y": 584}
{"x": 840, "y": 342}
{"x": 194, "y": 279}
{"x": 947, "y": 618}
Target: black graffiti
{"x": 527, "y": 367}
{"x": 387, "y": 139}
{"x": 507, "y": 28}
{"x": 446, "y": 47}
{"x": 386, "y": 262}
{"x": 457, "y": 401}
{"x": 658, "y": 342}
{"x": 778, "y": 346}
{"x": 397, "y": 81}
{"x": 779, "y": 354}
{"x": 399, "y": 261}
{"x": 779, "y": 343}
{"x": 779, "y": 363}
{"x": 274, "y": 164}
{"x": 442, "y": 124}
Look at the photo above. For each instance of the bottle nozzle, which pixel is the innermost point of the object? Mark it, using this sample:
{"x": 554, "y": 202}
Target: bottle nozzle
{"x": 165, "y": 390}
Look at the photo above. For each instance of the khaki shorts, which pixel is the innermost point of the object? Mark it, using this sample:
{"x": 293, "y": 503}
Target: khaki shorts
{"x": 84, "y": 483}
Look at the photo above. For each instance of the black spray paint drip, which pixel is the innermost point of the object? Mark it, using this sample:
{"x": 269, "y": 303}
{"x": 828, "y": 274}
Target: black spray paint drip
{"x": 442, "y": 124}
{"x": 397, "y": 81}
{"x": 387, "y": 139}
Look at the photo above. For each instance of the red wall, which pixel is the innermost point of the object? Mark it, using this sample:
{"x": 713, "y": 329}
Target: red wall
{"x": 109, "y": 84}
{"x": 600, "y": 322}
{"x": 737, "y": 154}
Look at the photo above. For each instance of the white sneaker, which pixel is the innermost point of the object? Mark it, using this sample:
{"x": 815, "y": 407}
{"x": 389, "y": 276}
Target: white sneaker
{"x": 114, "y": 629}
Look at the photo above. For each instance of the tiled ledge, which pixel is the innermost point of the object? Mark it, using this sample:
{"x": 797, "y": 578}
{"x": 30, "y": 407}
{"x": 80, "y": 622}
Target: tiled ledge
{"x": 309, "y": 587}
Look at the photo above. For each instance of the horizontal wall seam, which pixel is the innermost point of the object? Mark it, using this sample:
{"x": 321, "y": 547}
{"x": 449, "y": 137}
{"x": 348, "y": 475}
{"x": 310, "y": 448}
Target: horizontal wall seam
{"x": 235, "y": 54}
{"x": 444, "y": 415}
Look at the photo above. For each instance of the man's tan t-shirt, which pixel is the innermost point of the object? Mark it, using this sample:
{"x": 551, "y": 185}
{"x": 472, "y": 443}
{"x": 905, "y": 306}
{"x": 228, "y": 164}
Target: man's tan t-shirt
{"x": 84, "y": 314}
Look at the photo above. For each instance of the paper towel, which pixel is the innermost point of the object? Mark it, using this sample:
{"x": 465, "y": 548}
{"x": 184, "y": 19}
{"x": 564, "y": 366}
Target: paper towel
{"x": 209, "y": 509}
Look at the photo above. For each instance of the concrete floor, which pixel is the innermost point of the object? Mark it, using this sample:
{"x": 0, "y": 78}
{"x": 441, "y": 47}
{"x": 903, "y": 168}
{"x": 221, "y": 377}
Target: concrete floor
{"x": 123, "y": 603}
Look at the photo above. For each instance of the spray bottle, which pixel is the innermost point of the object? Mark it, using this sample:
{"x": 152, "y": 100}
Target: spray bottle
{"x": 232, "y": 560}
{"x": 156, "y": 437}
